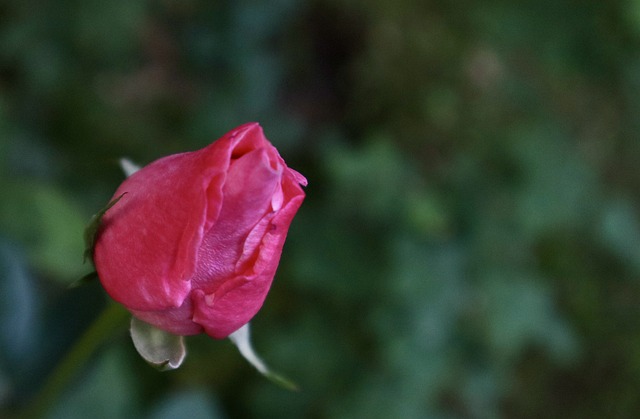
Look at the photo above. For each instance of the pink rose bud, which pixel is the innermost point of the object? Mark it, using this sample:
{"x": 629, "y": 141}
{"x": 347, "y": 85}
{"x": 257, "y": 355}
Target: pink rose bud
{"x": 194, "y": 243}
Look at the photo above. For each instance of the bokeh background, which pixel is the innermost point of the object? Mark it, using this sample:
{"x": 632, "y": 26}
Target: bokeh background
{"x": 470, "y": 243}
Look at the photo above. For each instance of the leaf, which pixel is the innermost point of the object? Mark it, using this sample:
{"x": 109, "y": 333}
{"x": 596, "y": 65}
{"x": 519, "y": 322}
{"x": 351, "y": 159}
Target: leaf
{"x": 242, "y": 339}
{"x": 163, "y": 350}
{"x": 46, "y": 220}
{"x": 91, "y": 231}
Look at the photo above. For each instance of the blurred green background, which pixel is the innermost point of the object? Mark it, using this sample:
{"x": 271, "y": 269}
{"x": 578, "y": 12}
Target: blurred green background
{"x": 470, "y": 243}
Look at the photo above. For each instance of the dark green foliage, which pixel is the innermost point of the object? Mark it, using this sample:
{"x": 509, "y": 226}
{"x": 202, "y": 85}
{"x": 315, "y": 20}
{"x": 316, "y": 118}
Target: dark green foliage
{"x": 470, "y": 243}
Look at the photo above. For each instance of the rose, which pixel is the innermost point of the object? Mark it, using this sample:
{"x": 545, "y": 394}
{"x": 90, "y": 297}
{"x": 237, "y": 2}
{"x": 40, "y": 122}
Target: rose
{"x": 193, "y": 244}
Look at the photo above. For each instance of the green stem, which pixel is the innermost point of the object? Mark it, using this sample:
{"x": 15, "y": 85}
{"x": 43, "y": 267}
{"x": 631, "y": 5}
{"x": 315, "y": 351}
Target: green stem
{"x": 110, "y": 320}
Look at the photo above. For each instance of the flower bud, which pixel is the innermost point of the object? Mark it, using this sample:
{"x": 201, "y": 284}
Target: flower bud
{"x": 194, "y": 242}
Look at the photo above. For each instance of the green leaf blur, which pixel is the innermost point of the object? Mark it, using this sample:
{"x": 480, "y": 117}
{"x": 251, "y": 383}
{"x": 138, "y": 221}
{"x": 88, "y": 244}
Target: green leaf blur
{"x": 470, "y": 243}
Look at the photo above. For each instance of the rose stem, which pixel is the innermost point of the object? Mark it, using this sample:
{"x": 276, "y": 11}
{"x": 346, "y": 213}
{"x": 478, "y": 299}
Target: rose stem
{"x": 111, "y": 319}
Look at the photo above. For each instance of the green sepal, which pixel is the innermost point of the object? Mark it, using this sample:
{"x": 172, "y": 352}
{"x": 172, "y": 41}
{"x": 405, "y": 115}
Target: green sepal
{"x": 91, "y": 231}
{"x": 282, "y": 381}
{"x": 242, "y": 339}
{"x": 90, "y": 277}
{"x": 162, "y": 350}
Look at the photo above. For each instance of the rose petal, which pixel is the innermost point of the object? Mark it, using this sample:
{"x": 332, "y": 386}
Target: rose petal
{"x": 146, "y": 251}
{"x": 248, "y": 190}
